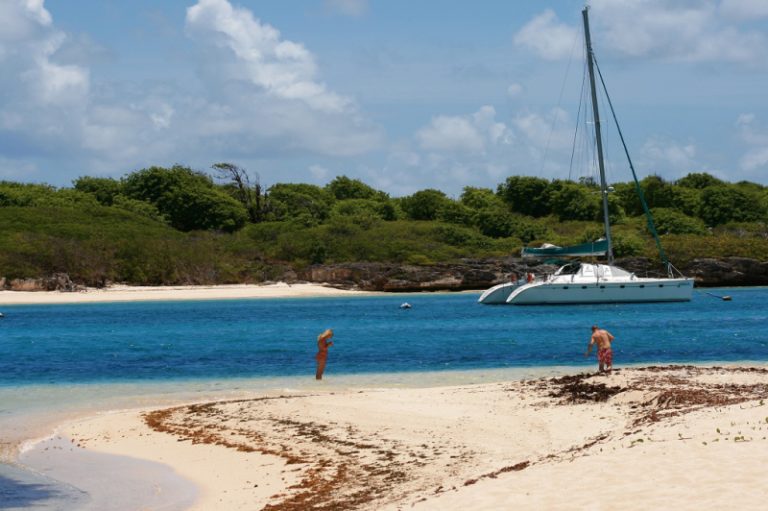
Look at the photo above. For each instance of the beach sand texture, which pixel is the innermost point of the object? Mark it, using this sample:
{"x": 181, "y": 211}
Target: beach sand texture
{"x": 680, "y": 437}
{"x": 144, "y": 293}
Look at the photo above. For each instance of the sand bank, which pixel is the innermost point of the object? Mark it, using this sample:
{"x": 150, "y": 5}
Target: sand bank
{"x": 641, "y": 438}
{"x": 144, "y": 293}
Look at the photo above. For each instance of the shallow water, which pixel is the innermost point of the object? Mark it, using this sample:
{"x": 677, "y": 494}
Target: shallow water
{"x": 23, "y": 489}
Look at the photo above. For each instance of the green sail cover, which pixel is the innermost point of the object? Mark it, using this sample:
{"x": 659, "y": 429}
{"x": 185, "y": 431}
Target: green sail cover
{"x": 595, "y": 248}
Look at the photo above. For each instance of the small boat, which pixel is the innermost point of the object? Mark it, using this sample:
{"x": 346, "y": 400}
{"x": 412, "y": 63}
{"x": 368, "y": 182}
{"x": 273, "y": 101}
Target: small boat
{"x": 582, "y": 283}
{"x": 405, "y": 305}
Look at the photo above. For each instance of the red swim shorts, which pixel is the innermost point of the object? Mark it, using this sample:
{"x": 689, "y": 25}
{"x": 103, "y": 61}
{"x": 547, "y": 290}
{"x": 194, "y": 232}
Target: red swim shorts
{"x": 605, "y": 356}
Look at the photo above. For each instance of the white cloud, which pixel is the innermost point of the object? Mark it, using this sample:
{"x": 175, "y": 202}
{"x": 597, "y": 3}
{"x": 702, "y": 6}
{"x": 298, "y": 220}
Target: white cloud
{"x": 546, "y": 36}
{"x": 347, "y": 7}
{"x": 161, "y": 116}
{"x": 13, "y": 169}
{"x": 28, "y": 44}
{"x": 318, "y": 172}
{"x": 755, "y": 157}
{"x": 744, "y": 119}
{"x": 744, "y": 9}
{"x": 479, "y": 149}
{"x": 668, "y": 157}
{"x": 282, "y": 68}
{"x": 541, "y": 132}
{"x": 20, "y": 19}
{"x": 672, "y": 30}
{"x": 472, "y": 133}
{"x": 695, "y": 31}
{"x": 450, "y": 134}
{"x": 262, "y": 99}
{"x": 514, "y": 90}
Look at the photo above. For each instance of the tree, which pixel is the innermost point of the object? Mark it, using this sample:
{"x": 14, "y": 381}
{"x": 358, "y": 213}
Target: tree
{"x": 669, "y": 221}
{"x": 309, "y": 204}
{"x": 526, "y": 195}
{"x": 424, "y": 204}
{"x": 728, "y": 203}
{"x": 698, "y": 180}
{"x": 188, "y": 199}
{"x": 570, "y": 201}
{"x": 343, "y": 188}
{"x": 105, "y": 189}
{"x": 479, "y": 198}
{"x": 498, "y": 222}
{"x": 248, "y": 194}
{"x": 364, "y": 212}
{"x": 455, "y": 213}
{"x": 495, "y": 221}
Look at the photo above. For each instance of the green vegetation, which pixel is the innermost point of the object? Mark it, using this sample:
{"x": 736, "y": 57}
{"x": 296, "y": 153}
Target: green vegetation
{"x": 176, "y": 225}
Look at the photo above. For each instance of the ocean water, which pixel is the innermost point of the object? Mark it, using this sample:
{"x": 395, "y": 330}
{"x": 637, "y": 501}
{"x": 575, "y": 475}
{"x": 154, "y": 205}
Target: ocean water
{"x": 167, "y": 341}
{"x": 58, "y": 359}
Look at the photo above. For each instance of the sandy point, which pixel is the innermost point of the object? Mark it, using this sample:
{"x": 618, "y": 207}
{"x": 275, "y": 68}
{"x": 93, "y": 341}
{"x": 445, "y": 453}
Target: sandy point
{"x": 172, "y": 293}
{"x": 642, "y": 438}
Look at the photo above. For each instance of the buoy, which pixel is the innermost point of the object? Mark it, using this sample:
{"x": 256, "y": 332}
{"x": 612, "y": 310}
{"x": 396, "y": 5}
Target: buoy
{"x": 726, "y": 298}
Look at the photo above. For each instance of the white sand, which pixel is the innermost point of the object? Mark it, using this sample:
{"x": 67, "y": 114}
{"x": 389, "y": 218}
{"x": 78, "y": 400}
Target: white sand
{"x": 663, "y": 442}
{"x": 143, "y": 293}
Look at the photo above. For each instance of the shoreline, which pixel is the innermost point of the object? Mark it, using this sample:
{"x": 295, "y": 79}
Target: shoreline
{"x": 121, "y": 293}
{"x": 392, "y": 447}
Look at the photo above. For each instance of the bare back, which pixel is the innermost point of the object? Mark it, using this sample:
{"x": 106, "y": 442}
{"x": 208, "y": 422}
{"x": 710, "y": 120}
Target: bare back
{"x": 602, "y": 338}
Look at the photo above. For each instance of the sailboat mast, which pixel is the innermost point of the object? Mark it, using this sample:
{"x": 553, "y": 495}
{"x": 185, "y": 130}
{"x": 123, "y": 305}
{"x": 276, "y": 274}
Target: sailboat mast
{"x": 598, "y": 137}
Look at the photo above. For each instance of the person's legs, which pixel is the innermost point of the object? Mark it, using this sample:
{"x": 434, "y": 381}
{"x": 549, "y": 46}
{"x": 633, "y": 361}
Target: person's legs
{"x": 320, "y": 368}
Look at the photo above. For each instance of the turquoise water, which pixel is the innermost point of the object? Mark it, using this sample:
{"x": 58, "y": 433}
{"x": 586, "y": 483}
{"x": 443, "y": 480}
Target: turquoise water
{"x": 166, "y": 341}
{"x": 58, "y": 359}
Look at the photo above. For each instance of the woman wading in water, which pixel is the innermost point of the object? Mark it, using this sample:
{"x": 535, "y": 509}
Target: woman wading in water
{"x": 323, "y": 343}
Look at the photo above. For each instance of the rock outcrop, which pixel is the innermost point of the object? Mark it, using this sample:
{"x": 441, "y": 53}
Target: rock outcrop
{"x": 55, "y": 282}
{"x": 731, "y": 271}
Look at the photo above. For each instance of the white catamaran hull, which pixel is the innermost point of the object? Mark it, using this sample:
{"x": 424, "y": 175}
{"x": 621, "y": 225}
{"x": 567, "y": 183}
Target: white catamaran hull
{"x": 640, "y": 290}
{"x": 498, "y": 294}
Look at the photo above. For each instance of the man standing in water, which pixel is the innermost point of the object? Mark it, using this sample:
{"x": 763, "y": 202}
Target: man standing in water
{"x": 323, "y": 343}
{"x": 603, "y": 339}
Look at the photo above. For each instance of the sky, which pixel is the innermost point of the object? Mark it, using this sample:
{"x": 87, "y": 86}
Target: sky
{"x": 402, "y": 95}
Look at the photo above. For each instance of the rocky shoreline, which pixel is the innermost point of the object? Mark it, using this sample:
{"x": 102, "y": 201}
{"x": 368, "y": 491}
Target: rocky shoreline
{"x": 465, "y": 275}
{"x": 475, "y": 274}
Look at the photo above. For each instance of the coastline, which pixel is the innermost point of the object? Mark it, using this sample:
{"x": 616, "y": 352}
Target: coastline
{"x": 650, "y": 436}
{"x": 174, "y": 293}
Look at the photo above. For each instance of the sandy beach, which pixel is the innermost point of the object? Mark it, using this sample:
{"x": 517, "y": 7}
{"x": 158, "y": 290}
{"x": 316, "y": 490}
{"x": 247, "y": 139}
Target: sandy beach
{"x": 144, "y": 293}
{"x": 681, "y": 437}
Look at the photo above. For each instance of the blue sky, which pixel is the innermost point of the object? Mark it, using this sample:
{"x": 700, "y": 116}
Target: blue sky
{"x": 404, "y": 95}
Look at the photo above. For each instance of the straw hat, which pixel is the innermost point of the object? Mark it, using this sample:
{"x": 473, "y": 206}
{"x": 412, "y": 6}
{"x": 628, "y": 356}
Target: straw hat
{"x": 325, "y": 335}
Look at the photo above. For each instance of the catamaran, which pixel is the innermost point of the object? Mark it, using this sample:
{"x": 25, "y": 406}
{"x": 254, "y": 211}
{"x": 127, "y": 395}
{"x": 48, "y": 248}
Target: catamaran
{"x": 580, "y": 282}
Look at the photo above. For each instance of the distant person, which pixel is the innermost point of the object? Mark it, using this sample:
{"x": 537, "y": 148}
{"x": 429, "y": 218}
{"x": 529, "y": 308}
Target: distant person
{"x": 513, "y": 278}
{"x": 529, "y": 277}
{"x": 603, "y": 339}
{"x": 323, "y": 343}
